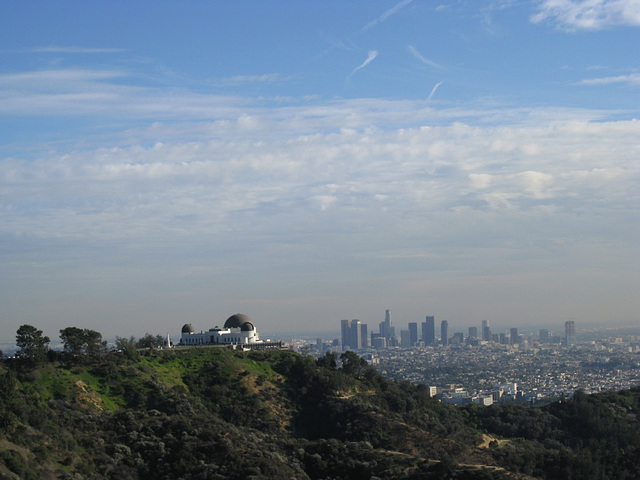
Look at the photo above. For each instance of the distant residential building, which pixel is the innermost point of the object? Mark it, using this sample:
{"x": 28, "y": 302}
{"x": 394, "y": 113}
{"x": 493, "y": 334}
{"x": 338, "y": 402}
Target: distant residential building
{"x": 483, "y": 400}
{"x": 544, "y": 335}
{"x": 378, "y": 342}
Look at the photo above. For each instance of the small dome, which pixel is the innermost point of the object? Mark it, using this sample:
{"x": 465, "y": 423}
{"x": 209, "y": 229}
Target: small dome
{"x": 187, "y": 328}
{"x": 237, "y": 320}
{"x": 247, "y": 327}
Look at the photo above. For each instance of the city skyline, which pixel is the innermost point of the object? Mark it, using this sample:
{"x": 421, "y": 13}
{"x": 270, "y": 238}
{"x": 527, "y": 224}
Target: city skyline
{"x": 354, "y": 334}
{"x": 306, "y": 162}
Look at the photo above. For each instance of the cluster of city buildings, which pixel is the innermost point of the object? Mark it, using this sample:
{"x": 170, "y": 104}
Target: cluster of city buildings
{"x": 529, "y": 374}
{"x": 484, "y": 367}
{"x": 354, "y": 335}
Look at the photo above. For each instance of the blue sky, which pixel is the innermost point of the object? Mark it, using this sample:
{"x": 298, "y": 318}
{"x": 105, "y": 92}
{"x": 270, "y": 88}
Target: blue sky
{"x": 304, "y": 162}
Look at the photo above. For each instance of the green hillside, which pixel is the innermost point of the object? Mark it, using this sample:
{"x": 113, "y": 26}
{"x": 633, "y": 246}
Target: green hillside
{"x": 216, "y": 413}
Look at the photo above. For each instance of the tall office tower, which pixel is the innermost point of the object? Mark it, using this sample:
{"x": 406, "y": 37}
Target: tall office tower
{"x": 345, "y": 331}
{"x": 382, "y": 328}
{"x": 544, "y": 335}
{"x": 569, "y": 332}
{"x": 513, "y": 336}
{"x": 473, "y": 332}
{"x": 486, "y": 331}
{"x": 364, "y": 335}
{"x": 405, "y": 338}
{"x": 413, "y": 333}
{"x": 356, "y": 334}
{"x": 429, "y": 330}
{"x": 444, "y": 332}
{"x": 319, "y": 345}
{"x": 386, "y": 329}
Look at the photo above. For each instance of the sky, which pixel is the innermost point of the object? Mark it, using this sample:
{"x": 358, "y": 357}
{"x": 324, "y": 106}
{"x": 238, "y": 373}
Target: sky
{"x": 302, "y": 162}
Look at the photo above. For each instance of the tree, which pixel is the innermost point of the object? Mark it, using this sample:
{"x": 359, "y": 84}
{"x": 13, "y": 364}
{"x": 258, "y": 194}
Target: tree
{"x": 73, "y": 340}
{"x": 127, "y": 347}
{"x": 353, "y": 364}
{"x": 82, "y": 341}
{"x": 33, "y": 345}
{"x": 330, "y": 360}
{"x": 150, "y": 341}
{"x": 94, "y": 345}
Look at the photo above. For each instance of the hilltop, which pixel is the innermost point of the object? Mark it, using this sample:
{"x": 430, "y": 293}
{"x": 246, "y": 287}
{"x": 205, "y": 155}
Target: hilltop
{"x": 214, "y": 413}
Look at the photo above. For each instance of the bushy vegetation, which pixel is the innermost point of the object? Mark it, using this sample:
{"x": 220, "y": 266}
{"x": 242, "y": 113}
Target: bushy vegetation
{"x": 215, "y": 413}
{"x": 588, "y": 436}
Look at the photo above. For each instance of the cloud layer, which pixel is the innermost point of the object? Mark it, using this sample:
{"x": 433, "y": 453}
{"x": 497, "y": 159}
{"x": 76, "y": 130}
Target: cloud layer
{"x": 589, "y": 14}
{"x": 304, "y": 201}
{"x": 158, "y": 179}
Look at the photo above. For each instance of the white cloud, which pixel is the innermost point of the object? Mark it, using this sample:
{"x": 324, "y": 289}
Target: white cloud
{"x": 67, "y": 79}
{"x": 135, "y": 191}
{"x": 71, "y": 49}
{"x": 632, "y": 80}
{"x": 305, "y": 196}
{"x": 480, "y": 180}
{"x": 536, "y": 184}
{"x": 110, "y": 93}
{"x": 589, "y": 14}
{"x": 264, "y": 78}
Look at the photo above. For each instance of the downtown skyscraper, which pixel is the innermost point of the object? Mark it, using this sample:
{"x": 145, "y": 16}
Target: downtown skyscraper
{"x": 444, "y": 332}
{"x": 429, "y": 330}
{"x": 354, "y": 334}
{"x": 387, "y": 330}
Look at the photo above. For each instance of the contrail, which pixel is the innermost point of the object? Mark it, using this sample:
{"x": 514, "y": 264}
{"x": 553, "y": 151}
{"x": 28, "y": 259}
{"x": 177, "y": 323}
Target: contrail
{"x": 372, "y": 55}
{"x": 433, "y": 90}
{"x": 414, "y": 51}
{"x": 385, "y": 15}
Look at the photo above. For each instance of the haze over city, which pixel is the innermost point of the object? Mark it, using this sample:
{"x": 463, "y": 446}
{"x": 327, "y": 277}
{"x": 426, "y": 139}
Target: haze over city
{"x": 307, "y": 162}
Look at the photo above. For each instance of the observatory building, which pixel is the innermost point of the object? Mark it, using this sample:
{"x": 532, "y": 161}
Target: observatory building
{"x": 238, "y": 330}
